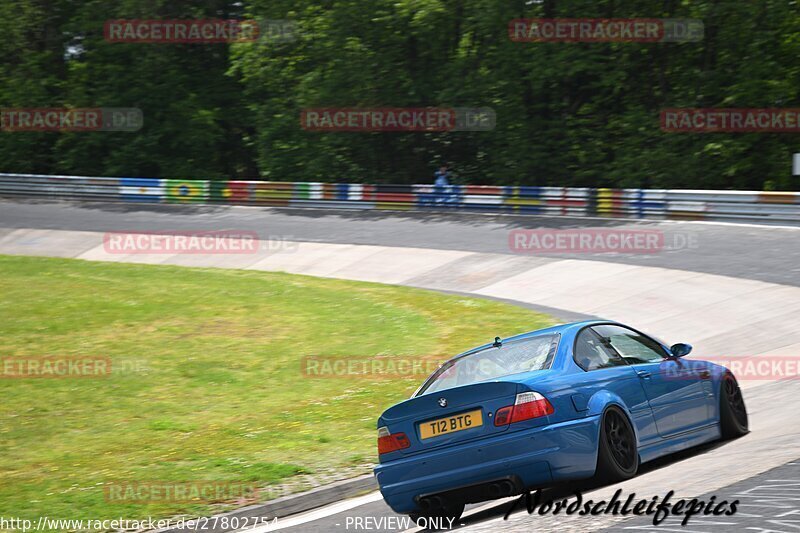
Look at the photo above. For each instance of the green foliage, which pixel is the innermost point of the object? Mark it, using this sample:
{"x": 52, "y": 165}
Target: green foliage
{"x": 580, "y": 114}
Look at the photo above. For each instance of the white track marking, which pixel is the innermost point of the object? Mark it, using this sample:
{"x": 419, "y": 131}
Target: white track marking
{"x": 316, "y": 514}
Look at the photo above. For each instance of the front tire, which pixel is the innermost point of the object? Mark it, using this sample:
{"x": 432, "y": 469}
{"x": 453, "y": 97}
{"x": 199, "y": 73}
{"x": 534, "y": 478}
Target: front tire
{"x": 617, "y": 453}
{"x": 733, "y": 421}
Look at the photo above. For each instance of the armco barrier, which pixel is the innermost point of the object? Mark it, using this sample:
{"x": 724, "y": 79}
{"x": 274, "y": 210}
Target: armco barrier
{"x": 625, "y": 203}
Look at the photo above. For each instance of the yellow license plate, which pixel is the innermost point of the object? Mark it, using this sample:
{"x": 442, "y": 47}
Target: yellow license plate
{"x": 450, "y": 424}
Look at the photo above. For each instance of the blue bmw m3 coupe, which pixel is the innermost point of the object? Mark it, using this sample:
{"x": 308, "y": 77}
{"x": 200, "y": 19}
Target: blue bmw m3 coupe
{"x": 574, "y": 401}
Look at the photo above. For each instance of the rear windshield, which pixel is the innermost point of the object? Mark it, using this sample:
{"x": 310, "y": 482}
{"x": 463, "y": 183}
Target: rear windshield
{"x": 514, "y": 357}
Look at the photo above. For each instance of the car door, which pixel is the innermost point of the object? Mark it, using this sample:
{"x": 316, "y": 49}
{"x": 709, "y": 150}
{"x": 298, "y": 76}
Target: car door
{"x": 673, "y": 386}
{"x": 606, "y": 370}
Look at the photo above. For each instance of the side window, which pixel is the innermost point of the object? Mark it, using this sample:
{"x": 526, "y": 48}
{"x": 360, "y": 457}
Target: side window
{"x": 634, "y": 347}
{"x": 592, "y": 354}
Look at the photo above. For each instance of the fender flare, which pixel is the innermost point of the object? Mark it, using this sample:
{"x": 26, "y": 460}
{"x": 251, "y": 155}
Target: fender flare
{"x": 600, "y": 402}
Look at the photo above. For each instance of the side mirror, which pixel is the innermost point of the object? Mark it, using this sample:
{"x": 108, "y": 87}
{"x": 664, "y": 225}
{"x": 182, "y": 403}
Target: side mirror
{"x": 680, "y": 349}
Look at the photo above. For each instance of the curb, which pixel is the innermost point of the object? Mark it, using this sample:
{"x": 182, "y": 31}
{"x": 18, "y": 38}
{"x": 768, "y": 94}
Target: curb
{"x": 281, "y": 507}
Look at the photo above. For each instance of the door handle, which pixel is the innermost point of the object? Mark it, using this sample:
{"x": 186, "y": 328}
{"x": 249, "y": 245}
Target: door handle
{"x": 644, "y": 374}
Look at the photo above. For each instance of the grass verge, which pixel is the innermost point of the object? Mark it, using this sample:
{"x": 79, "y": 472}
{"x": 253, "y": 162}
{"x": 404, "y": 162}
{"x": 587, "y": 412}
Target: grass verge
{"x": 206, "y": 380}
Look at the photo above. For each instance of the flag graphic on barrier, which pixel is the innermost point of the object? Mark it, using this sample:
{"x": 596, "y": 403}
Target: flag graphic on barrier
{"x": 229, "y": 192}
{"x": 186, "y": 191}
{"x": 141, "y": 189}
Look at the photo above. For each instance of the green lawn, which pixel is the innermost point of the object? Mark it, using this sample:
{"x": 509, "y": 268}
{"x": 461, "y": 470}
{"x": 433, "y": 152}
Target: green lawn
{"x": 206, "y": 381}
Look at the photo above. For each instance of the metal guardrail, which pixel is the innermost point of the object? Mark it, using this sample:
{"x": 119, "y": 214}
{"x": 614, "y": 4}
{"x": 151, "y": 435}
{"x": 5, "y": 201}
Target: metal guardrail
{"x": 628, "y": 203}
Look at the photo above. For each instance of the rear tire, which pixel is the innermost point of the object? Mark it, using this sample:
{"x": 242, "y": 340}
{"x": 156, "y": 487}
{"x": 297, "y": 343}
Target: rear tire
{"x": 451, "y": 510}
{"x": 733, "y": 421}
{"x": 617, "y": 453}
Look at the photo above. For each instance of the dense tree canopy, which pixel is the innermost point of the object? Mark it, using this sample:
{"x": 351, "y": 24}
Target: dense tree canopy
{"x": 578, "y": 114}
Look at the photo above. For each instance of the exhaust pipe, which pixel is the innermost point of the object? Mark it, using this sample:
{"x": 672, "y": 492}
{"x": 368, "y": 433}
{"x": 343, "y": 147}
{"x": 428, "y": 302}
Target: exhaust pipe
{"x": 431, "y": 503}
{"x": 500, "y": 489}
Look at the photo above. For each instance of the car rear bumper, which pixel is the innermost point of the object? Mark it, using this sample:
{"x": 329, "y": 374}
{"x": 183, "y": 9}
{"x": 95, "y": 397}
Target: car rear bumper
{"x": 537, "y": 457}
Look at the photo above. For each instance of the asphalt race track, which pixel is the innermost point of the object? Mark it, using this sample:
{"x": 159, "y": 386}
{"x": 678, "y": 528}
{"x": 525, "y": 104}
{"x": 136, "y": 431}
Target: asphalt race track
{"x": 733, "y": 287}
{"x": 753, "y": 252}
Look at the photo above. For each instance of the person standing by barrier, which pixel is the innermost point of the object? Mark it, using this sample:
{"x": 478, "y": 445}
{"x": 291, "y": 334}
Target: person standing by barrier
{"x": 441, "y": 185}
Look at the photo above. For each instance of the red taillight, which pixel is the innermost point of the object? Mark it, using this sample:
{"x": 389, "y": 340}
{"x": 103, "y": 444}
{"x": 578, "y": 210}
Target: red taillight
{"x": 503, "y": 416}
{"x": 527, "y": 405}
{"x": 391, "y": 442}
